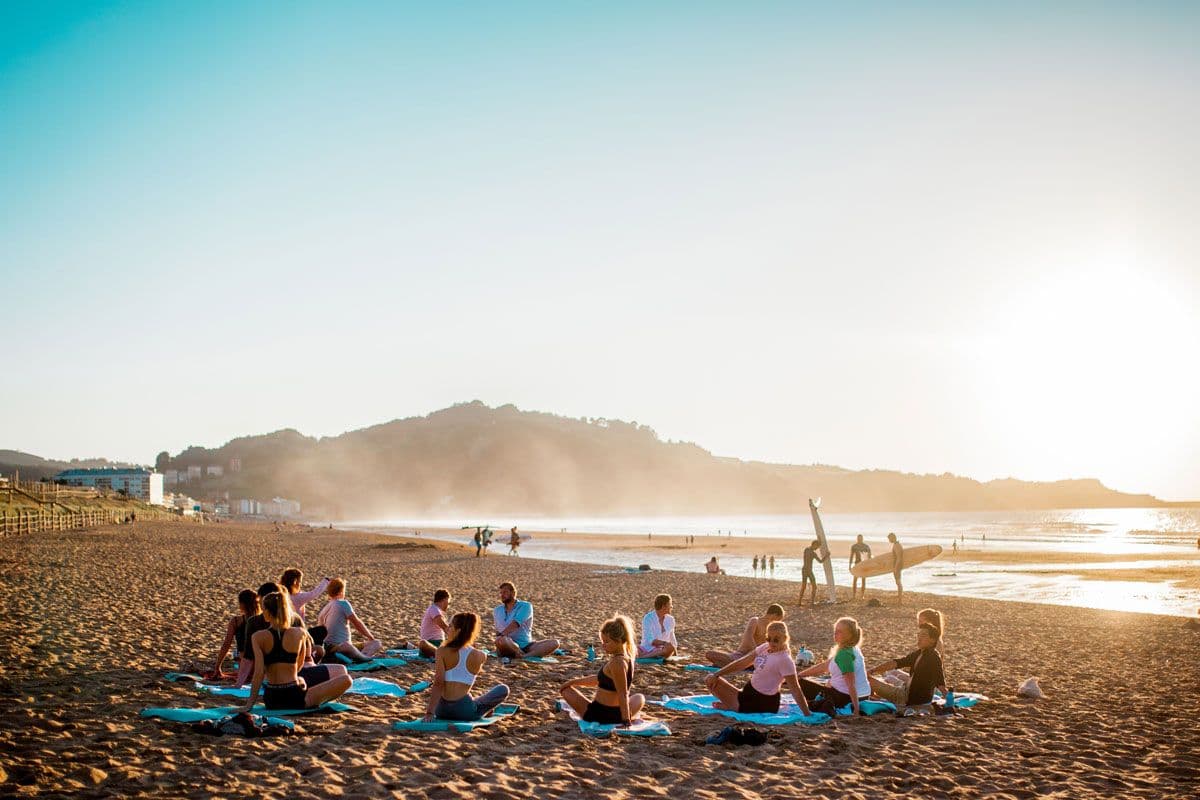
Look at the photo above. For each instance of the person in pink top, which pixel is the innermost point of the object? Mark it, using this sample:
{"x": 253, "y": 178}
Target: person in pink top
{"x": 434, "y": 627}
{"x": 290, "y": 581}
{"x": 773, "y": 667}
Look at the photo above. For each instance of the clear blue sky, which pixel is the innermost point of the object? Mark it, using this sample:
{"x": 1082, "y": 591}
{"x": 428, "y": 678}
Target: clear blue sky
{"x": 885, "y": 235}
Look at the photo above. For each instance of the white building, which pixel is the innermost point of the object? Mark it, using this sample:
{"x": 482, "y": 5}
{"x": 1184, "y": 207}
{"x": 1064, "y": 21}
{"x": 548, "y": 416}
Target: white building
{"x": 216, "y": 470}
{"x": 143, "y": 484}
{"x": 195, "y": 473}
{"x": 170, "y": 477}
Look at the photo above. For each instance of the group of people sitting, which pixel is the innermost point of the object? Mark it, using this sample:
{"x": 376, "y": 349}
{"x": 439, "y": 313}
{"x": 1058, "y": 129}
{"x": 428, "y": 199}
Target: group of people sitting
{"x": 765, "y": 648}
{"x": 296, "y": 666}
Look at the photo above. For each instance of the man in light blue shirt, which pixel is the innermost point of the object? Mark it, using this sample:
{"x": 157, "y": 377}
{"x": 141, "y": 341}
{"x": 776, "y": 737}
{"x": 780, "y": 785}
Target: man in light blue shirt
{"x": 514, "y": 627}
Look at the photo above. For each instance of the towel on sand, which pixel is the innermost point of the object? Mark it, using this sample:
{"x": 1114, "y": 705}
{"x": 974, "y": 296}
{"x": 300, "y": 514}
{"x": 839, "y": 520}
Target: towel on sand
{"x": 197, "y": 714}
{"x": 372, "y": 687}
{"x": 789, "y": 713}
{"x": 421, "y": 726}
{"x": 639, "y": 727}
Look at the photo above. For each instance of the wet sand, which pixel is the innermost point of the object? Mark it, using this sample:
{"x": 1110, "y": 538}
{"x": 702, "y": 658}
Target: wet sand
{"x": 91, "y": 620}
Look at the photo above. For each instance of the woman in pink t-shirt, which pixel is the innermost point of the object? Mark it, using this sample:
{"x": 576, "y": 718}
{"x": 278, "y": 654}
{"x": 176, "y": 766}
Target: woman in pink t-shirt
{"x": 773, "y": 667}
{"x": 433, "y": 624}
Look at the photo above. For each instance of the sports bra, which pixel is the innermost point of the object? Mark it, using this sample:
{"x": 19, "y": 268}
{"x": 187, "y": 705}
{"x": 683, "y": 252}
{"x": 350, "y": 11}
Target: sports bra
{"x": 277, "y": 655}
{"x": 605, "y": 682}
{"x": 459, "y": 673}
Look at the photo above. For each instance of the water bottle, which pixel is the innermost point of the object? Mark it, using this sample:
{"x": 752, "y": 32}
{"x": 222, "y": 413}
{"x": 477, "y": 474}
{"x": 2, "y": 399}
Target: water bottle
{"x": 591, "y": 653}
{"x": 949, "y": 706}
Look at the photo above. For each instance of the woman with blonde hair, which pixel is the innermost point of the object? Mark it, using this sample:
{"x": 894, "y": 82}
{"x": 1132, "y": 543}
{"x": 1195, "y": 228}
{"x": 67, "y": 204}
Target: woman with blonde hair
{"x": 612, "y": 703}
{"x": 279, "y": 651}
{"x": 773, "y": 667}
{"x": 848, "y": 681}
{"x": 456, "y": 666}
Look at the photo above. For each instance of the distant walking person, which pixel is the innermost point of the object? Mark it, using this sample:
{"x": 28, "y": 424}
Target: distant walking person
{"x": 754, "y": 567}
{"x": 772, "y": 566}
{"x": 897, "y": 566}
{"x": 859, "y": 551}
{"x": 514, "y": 542}
{"x": 478, "y": 538}
{"x": 807, "y": 576}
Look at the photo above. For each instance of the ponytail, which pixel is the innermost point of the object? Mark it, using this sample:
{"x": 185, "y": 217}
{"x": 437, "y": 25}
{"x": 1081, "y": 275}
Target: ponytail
{"x": 465, "y": 626}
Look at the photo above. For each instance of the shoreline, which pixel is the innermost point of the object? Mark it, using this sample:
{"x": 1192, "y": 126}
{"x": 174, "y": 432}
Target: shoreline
{"x": 103, "y": 613}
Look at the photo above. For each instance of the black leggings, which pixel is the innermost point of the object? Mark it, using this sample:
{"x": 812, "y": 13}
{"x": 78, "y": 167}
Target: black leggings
{"x": 812, "y": 688}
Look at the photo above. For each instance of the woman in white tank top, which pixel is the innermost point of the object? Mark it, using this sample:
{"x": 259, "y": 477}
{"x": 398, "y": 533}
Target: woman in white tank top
{"x": 456, "y": 666}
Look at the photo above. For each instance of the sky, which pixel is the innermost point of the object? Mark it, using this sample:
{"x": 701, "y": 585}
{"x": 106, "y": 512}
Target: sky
{"x": 906, "y": 236}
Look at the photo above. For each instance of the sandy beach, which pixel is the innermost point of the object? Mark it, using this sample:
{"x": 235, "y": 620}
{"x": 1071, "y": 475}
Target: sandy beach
{"x": 91, "y": 621}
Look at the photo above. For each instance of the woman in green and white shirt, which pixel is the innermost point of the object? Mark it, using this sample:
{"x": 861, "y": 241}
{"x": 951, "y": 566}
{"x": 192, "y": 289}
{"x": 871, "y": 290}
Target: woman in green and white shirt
{"x": 847, "y": 671}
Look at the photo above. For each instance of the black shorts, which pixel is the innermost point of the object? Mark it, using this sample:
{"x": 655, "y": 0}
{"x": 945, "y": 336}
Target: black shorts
{"x": 605, "y": 715}
{"x": 752, "y": 701}
{"x": 314, "y": 675}
{"x": 289, "y": 695}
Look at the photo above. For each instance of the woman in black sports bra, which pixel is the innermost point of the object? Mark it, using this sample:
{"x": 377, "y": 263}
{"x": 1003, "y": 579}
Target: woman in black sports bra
{"x": 612, "y": 704}
{"x": 279, "y": 652}
{"x": 235, "y": 632}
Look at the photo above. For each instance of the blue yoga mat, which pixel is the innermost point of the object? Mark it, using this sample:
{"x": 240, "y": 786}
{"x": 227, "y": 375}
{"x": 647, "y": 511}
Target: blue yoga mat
{"x": 641, "y": 727}
{"x": 373, "y": 665}
{"x": 702, "y": 668}
{"x": 421, "y": 726}
{"x": 868, "y": 707}
{"x": 371, "y": 687}
{"x": 789, "y": 713}
{"x": 410, "y": 655}
{"x": 197, "y": 714}
{"x": 662, "y": 660}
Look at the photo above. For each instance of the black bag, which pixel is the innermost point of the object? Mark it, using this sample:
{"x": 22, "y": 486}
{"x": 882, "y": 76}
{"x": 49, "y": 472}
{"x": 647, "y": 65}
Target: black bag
{"x": 739, "y": 735}
{"x": 252, "y": 726}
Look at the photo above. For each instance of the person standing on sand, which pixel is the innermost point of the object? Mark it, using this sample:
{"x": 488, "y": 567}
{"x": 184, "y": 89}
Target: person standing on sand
{"x": 772, "y": 566}
{"x": 859, "y": 551}
{"x": 807, "y": 575}
{"x": 514, "y": 542}
{"x": 658, "y": 631}
{"x": 478, "y": 539}
{"x": 897, "y": 566}
{"x": 754, "y": 566}
{"x": 337, "y": 616}
{"x": 514, "y": 627}
{"x": 754, "y": 635}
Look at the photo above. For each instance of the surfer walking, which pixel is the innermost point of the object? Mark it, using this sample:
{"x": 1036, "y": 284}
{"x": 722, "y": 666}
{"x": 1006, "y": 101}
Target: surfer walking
{"x": 514, "y": 542}
{"x": 897, "y": 566}
{"x": 859, "y": 551}
{"x": 807, "y": 575}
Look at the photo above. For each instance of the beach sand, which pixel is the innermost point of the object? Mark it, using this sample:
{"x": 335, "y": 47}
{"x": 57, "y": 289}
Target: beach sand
{"x": 90, "y": 621}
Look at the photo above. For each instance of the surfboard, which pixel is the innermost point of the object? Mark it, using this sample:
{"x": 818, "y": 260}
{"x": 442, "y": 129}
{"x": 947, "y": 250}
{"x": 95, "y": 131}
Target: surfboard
{"x": 831, "y": 589}
{"x": 882, "y": 565}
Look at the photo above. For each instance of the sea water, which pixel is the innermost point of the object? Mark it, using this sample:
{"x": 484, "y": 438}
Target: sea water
{"x": 1145, "y": 537}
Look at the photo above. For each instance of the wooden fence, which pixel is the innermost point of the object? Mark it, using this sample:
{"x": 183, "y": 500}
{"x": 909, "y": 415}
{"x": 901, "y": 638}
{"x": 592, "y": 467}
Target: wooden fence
{"x": 20, "y": 522}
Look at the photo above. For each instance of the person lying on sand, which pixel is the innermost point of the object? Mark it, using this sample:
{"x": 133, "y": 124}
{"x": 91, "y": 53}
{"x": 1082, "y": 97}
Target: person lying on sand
{"x": 658, "y": 631}
{"x": 612, "y": 703}
{"x": 925, "y": 668}
{"x": 278, "y": 653}
{"x": 433, "y": 624}
{"x": 456, "y": 666}
{"x": 847, "y": 671}
{"x": 754, "y": 635}
{"x": 514, "y": 627}
{"x": 337, "y": 616}
{"x": 235, "y": 631}
{"x": 773, "y": 667}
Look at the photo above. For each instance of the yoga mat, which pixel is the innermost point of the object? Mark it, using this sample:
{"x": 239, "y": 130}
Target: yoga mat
{"x": 789, "y": 713}
{"x": 410, "y": 655}
{"x": 371, "y": 687}
{"x": 702, "y": 668}
{"x": 421, "y": 726}
{"x": 639, "y": 727}
{"x": 662, "y": 660}
{"x": 868, "y": 707}
{"x": 375, "y": 664}
{"x": 184, "y": 676}
{"x": 420, "y": 686}
{"x": 197, "y": 714}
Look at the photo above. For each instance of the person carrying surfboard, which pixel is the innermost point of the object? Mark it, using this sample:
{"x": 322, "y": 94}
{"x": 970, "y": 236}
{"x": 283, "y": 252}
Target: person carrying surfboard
{"x": 897, "y": 566}
{"x": 859, "y": 551}
{"x": 807, "y": 576}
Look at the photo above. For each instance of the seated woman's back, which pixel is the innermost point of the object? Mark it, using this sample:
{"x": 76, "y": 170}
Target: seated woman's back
{"x": 461, "y": 666}
{"x": 283, "y": 653}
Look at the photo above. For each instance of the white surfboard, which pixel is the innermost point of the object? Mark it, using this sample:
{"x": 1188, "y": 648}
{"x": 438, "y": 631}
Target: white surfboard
{"x": 831, "y": 589}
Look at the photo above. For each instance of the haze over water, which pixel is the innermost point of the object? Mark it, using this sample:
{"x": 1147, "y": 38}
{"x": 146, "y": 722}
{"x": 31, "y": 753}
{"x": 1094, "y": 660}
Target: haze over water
{"x": 1149, "y": 537}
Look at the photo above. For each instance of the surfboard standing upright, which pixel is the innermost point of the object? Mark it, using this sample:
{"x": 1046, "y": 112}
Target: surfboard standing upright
{"x": 831, "y": 594}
